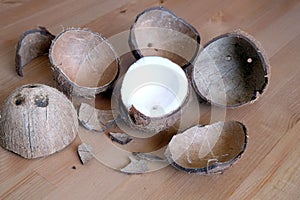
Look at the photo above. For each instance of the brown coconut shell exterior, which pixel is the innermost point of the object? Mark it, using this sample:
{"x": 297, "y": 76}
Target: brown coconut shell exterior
{"x": 208, "y": 149}
{"x": 37, "y": 121}
{"x": 83, "y": 62}
{"x": 233, "y": 65}
{"x": 152, "y": 25}
{"x": 32, "y": 43}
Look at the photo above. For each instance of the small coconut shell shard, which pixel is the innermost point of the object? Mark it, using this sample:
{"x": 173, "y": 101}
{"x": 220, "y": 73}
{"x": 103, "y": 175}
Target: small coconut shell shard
{"x": 33, "y": 43}
{"x": 135, "y": 166}
{"x": 159, "y": 32}
{"x": 83, "y": 62}
{"x": 36, "y": 121}
{"x": 208, "y": 149}
{"x": 231, "y": 70}
{"x": 85, "y": 153}
{"x": 121, "y": 138}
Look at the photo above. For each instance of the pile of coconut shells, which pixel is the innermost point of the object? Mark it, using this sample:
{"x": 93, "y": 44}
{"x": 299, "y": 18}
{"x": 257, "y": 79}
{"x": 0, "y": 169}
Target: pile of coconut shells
{"x": 229, "y": 71}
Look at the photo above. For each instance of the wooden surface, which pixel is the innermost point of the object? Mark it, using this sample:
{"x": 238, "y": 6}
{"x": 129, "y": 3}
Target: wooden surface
{"x": 270, "y": 167}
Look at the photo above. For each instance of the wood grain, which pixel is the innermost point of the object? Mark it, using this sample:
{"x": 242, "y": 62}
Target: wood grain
{"x": 270, "y": 167}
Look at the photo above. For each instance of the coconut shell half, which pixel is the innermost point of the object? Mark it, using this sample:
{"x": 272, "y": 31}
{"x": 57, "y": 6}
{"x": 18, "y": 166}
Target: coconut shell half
{"x": 231, "y": 70}
{"x": 208, "y": 149}
{"x": 83, "y": 62}
{"x": 159, "y": 32}
{"x": 37, "y": 121}
{"x": 33, "y": 43}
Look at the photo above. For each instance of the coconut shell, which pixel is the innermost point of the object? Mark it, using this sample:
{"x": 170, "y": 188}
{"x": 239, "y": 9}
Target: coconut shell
{"x": 36, "y": 121}
{"x": 83, "y": 62}
{"x": 148, "y": 156}
{"x": 32, "y": 43}
{"x": 135, "y": 166}
{"x": 159, "y": 32}
{"x": 85, "y": 153}
{"x": 121, "y": 138}
{"x": 231, "y": 70}
{"x": 208, "y": 149}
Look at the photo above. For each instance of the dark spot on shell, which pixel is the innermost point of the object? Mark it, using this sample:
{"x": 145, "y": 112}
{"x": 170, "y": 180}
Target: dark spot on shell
{"x": 41, "y": 101}
{"x": 19, "y": 100}
{"x": 150, "y": 44}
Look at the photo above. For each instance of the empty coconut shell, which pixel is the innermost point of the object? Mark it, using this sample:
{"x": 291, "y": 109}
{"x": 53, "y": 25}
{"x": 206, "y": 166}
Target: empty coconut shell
{"x": 159, "y": 32}
{"x": 36, "y": 121}
{"x": 32, "y": 43}
{"x": 231, "y": 70}
{"x": 208, "y": 149}
{"x": 83, "y": 62}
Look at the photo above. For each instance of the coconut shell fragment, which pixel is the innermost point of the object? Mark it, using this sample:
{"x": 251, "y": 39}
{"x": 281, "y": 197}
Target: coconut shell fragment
{"x": 135, "y": 166}
{"x": 83, "y": 62}
{"x": 85, "y": 153}
{"x": 208, "y": 149}
{"x": 148, "y": 156}
{"x": 33, "y": 43}
{"x": 37, "y": 121}
{"x": 231, "y": 70}
{"x": 121, "y": 138}
{"x": 159, "y": 32}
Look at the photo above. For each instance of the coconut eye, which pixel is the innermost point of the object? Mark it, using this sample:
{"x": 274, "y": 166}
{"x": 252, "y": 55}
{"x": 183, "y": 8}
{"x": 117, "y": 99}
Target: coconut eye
{"x": 19, "y": 100}
{"x": 41, "y": 100}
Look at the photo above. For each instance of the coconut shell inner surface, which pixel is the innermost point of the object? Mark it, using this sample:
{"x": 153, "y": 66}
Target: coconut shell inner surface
{"x": 159, "y": 32}
{"x": 208, "y": 149}
{"x": 85, "y": 58}
{"x": 231, "y": 70}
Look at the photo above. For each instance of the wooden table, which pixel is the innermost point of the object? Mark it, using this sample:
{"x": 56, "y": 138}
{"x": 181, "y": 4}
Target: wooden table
{"x": 270, "y": 167}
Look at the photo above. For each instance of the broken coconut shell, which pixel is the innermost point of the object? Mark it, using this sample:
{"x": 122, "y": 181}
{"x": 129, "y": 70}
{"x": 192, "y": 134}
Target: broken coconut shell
{"x": 135, "y": 166}
{"x": 208, "y": 149}
{"x": 83, "y": 62}
{"x": 231, "y": 70}
{"x": 36, "y": 121}
{"x": 32, "y": 44}
{"x": 121, "y": 138}
{"x": 85, "y": 153}
{"x": 159, "y": 32}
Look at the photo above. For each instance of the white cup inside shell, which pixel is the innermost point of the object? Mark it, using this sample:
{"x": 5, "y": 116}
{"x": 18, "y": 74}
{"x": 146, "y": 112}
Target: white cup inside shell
{"x": 155, "y": 86}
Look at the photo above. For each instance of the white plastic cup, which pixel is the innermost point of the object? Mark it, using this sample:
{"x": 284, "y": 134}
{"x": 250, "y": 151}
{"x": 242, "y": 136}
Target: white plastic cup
{"x": 157, "y": 88}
